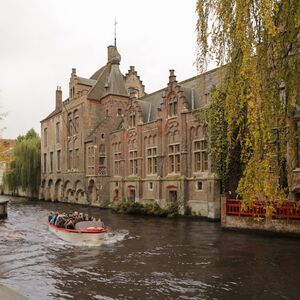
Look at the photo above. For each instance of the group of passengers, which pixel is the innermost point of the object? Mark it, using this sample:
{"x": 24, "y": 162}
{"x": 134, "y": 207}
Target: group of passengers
{"x": 69, "y": 221}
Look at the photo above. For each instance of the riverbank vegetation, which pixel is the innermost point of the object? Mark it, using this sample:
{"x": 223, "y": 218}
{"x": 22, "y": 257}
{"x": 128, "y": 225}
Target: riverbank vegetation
{"x": 251, "y": 110}
{"x": 148, "y": 209}
{"x": 24, "y": 171}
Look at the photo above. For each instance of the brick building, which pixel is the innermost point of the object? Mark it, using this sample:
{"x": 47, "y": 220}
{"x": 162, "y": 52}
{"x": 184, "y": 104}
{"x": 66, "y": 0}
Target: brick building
{"x": 110, "y": 140}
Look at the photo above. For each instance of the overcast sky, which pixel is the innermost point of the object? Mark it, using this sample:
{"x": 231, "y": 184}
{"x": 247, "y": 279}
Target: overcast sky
{"x": 41, "y": 41}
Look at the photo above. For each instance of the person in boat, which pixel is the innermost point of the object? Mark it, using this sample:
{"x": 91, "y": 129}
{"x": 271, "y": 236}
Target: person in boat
{"x": 53, "y": 219}
{"x": 50, "y": 215}
{"x": 70, "y": 224}
{"x": 101, "y": 223}
{"x": 60, "y": 221}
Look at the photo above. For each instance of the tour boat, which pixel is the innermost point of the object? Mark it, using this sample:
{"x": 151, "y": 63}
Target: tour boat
{"x": 87, "y": 235}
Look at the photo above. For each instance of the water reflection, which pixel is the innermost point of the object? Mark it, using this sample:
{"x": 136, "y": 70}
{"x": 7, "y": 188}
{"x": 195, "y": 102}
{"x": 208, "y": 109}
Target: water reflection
{"x": 148, "y": 258}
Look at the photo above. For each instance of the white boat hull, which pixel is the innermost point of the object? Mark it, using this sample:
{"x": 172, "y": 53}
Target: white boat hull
{"x": 78, "y": 237}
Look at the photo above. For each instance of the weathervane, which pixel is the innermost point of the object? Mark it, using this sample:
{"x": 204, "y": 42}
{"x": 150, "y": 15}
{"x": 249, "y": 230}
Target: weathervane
{"x": 115, "y": 32}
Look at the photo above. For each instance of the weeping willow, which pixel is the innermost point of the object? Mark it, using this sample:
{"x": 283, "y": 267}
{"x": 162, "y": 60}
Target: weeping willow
{"x": 24, "y": 170}
{"x": 258, "y": 41}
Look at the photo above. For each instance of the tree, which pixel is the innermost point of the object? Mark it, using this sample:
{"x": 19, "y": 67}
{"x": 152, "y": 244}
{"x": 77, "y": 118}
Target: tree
{"x": 25, "y": 169}
{"x": 259, "y": 41}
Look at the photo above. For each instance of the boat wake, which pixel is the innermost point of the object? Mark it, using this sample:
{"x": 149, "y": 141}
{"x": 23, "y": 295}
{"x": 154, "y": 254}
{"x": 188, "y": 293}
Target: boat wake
{"x": 113, "y": 237}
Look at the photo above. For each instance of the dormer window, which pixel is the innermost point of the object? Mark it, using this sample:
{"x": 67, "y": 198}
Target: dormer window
{"x": 173, "y": 107}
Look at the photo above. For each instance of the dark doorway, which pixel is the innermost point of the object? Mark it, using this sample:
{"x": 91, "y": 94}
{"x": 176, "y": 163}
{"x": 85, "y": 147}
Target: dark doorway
{"x": 131, "y": 195}
{"x": 172, "y": 196}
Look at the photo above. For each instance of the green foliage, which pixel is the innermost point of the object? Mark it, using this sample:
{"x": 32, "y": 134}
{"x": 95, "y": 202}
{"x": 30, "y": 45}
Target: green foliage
{"x": 149, "y": 209}
{"x": 259, "y": 41}
{"x": 25, "y": 169}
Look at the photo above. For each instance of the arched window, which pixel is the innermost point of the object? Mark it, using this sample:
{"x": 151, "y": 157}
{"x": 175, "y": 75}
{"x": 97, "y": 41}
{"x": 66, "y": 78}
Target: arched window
{"x": 172, "y": 107}
{"x": 76, "y": 121}
{"x": 70, "y": 125}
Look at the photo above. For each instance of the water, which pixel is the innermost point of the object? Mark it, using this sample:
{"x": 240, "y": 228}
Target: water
{"x": 144, "y": 258}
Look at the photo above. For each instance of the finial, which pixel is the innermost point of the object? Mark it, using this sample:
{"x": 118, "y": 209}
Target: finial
{"x": 115, "y": 32}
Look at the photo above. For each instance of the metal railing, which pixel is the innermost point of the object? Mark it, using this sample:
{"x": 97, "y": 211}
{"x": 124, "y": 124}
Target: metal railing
{"x": 260, "y": 208}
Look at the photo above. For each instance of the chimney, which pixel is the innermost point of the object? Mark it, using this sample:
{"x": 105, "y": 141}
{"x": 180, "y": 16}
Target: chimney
{"x": 110, "y": 52}
{"x": 172, "y": 77}
{"x": 58, "y": 98}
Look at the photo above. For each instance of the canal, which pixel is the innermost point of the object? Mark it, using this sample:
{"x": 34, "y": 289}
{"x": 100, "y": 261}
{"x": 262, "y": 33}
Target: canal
{"x": 144, "y": 258}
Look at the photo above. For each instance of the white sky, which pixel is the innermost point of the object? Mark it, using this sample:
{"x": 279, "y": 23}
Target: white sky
{"x": 41, "y": 40}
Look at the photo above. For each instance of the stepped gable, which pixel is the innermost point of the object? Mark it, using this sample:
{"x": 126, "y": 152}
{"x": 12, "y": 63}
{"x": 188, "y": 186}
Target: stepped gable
{"x": 110, "y": 79}
{"x": 133, "y": 73}
{"x": 190, "y": 91}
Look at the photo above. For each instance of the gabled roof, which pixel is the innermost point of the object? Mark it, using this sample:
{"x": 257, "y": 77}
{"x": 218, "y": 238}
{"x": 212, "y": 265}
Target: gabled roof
{"x": 86, "y": 81}
{"x": 193, "y": 90}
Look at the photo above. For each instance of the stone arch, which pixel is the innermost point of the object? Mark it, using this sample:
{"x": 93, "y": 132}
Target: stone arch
{"x": 58, "y": 190}
{"x": 80, "y": 196}
{"x": 92, "y": 192}
{"x": 67, "y": 191}
{"x": 199, "y": 131}
{"x": 50, "y": 187}
{"x": 154, "y": 139}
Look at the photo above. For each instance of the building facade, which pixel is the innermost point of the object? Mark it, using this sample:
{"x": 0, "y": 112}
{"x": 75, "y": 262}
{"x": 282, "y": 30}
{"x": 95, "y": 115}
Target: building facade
{"x": 110, "y": 141}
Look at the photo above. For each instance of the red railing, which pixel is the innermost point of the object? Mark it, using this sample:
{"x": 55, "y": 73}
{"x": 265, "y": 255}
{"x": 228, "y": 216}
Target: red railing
{"x": 259, "y": 208}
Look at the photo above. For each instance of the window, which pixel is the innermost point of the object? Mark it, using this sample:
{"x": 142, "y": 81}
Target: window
{"x": 102, "y": 136}
{"x": 58, "y": 160}
{"x": 151, "y": 160}
{"x": 132, "y": 120}
{"x": 91, "y": 160}
{"x": 119, "y": 111}
{"x": 172, "y": 107}
{"x": 206, "y": 98}
{"x": 102, "y": 160}
{"x": 200, "y": 156}
{"x": 76, "y": 162}
{"x": 70, "y": 125}
{"x": 70, "y": 158}
{"x": 133, "y": 167}
{"x": 199, "y": 186}
{"x": 174, "y": 158}
{"x": 57, "y": 129}
{"x": 150, "y": 186}
{"x": 45, "y": 137}
{"x": 76, "y": 121}
{"x": 51, "y": 162}
{"x": 45, "y": 162}
{"x": 117, "y": 158}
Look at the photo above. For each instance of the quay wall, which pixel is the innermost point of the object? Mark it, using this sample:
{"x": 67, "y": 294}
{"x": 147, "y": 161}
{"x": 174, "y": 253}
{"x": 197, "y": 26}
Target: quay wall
{"x": 266, "y": 225}
{"x": 3, "y": 208}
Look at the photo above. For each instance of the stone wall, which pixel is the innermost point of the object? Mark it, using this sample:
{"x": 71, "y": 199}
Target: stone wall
{"x": 3, "y": 208}
{"x": 283, "y": 226}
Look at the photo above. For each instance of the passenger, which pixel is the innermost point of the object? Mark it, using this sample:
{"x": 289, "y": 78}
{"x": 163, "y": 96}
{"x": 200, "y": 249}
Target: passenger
{"x": 61, "y": 223}
{"x": 86, "y": 217}
{"x": 57, "y": 219}
{"x": 101, "y": 223}
{"x": 69, "y": 224}
{"x": 53, "y": 219}
{"x": 50, "y": 215}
